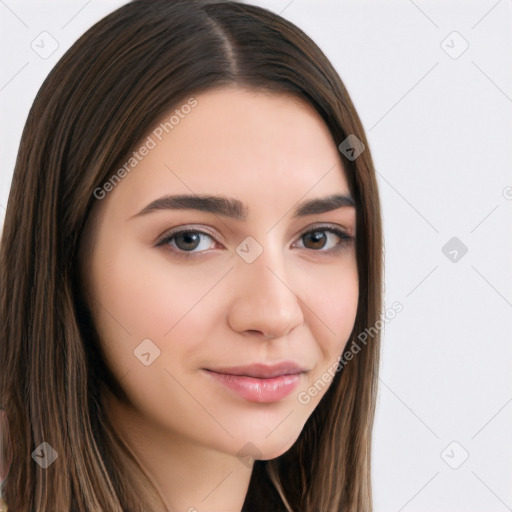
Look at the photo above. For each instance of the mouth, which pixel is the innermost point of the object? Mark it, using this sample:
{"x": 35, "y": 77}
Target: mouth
{"x": 259, "y": 383}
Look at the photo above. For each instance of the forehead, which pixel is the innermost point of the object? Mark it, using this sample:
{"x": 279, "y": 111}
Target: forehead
{"x": 264, "y": 148}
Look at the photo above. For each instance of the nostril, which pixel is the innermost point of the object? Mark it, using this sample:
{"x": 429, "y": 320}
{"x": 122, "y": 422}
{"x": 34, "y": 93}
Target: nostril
{"x": 255, "y": 331}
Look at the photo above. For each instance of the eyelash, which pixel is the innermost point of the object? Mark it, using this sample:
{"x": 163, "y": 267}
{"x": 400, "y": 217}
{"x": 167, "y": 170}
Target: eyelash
{"x": 345, "y": 239}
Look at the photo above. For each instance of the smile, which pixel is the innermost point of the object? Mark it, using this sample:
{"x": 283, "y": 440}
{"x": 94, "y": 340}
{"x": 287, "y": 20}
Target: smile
{"x": 259, "y": 383}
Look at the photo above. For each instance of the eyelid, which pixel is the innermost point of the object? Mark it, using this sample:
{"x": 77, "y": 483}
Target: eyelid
{"x": 184, "y": 228}
{"x": 328, "y": 226}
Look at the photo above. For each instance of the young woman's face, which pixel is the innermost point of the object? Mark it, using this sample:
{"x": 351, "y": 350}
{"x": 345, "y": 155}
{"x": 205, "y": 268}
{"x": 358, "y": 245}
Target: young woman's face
{"x": 216, "y": 315}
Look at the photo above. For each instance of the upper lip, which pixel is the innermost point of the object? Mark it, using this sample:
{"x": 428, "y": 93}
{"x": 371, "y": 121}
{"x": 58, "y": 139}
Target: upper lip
{"x": 261, "y": 371}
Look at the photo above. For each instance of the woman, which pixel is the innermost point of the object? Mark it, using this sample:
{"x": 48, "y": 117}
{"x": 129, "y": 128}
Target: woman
{"x": 191, "y": 247}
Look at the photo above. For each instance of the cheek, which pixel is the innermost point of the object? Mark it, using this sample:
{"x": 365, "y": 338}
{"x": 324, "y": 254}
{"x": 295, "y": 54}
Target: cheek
{"x": 331, "y": 302}
{"x": 138, "y": 297}
{"x": 332, "y": 309}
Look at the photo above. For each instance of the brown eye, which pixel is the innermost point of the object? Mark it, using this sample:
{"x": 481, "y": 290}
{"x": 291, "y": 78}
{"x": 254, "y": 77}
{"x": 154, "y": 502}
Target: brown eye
{"x": 314, "y": 239}
{"x": 326, "y": 239}
{"x": 187, "y": 240}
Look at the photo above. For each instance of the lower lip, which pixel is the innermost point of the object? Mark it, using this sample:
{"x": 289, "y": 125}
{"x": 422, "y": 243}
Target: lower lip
{"x": 259, "y": 390}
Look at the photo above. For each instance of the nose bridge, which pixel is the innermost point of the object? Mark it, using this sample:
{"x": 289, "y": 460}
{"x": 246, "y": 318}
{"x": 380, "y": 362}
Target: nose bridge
{"x": 264, "y": 300}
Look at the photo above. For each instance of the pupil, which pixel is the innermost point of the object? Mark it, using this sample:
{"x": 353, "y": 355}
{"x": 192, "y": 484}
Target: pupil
{"x": 318, "y": 238}
{"x": 187, "y": 241}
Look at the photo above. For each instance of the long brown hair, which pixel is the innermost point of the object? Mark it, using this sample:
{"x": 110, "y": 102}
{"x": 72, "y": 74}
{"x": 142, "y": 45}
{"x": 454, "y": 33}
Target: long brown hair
{"x": 97, "y": 103}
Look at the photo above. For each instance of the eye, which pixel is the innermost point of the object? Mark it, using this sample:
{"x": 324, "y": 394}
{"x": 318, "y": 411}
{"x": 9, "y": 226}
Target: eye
{"x": 325, "y": 239}
{"x": 186, "y": 241}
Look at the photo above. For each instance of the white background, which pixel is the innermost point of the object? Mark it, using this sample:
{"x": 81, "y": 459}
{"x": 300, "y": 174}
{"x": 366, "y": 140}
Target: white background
{"x": 440, "y": 132}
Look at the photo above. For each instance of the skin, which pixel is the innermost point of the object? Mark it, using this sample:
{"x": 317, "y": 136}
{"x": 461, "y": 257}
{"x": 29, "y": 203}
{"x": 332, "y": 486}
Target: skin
{"x": 293, "y": 303}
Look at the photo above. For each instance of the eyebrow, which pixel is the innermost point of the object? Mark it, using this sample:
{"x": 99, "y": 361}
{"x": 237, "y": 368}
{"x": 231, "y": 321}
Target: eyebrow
{"x": 235, "y": 209}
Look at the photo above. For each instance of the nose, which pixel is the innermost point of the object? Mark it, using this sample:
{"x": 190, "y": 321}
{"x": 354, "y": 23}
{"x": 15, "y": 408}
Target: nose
{"x": 263, "y": 301}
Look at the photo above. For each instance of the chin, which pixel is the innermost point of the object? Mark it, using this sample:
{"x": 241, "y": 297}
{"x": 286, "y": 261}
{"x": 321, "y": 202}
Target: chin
{"x": 261, "y": 447}
{"x": 276, "y": 451}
